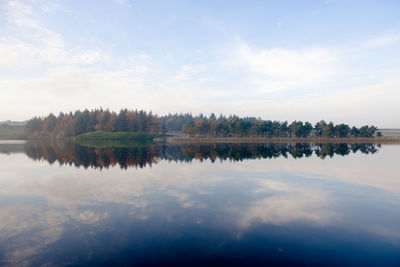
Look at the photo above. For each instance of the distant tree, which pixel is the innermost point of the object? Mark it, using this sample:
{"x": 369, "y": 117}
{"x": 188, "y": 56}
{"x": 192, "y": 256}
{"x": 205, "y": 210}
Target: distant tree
{"x": 319, "y": 126}
{"x": 284, "y": 129}
{"x": 212, "y": 117}
{"x": 342, "y": 130}
{"x": 34, "y": 125}
{"x": 328, "y": 130}
{"x": 81, "y": 122}
{"x": 121, "y": 123}
{"x": 368, "y": 132}
{"x": 355, "y": 132}
{"x": 163, "y": 130}
{"x": 306, "y": 129}
{"x": 296, "y": 128}
{"x": 49, "y": 123}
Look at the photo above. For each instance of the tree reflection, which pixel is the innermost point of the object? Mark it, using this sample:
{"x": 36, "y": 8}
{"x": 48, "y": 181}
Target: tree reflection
{"x": 140, "y": 156}
{"x": 73, "y": 154}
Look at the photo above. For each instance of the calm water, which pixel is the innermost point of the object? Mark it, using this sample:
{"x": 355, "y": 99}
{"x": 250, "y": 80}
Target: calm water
{"x": 244, "y": 204}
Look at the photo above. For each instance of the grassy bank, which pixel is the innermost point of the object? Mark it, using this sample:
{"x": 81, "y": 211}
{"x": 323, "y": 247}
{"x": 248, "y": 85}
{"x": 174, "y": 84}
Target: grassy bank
{"x": 121, "y": 136}
{"x": 378, "y": 140}
{"x": 390, "y": 132}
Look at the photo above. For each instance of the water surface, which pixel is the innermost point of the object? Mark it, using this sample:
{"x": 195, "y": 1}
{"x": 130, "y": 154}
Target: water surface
{"x": 196, "y": 204}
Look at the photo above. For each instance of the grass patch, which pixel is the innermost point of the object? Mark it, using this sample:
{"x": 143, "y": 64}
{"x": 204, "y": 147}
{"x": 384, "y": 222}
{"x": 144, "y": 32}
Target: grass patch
{"x": 103, "y": 139}
{"x": 390, "y": 132}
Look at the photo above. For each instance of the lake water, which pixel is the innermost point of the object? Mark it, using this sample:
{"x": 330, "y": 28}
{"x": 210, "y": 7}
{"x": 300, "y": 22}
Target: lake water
{"x": 191, "y": 204}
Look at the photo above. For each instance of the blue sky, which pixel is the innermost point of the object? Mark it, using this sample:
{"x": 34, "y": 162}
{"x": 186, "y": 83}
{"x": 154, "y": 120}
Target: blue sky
{"x": 280, "y": 60}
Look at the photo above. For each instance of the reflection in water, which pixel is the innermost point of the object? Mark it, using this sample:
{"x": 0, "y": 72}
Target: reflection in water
{"x": 8, "y": 148}
{"x": 77, "y": 155}
{"x": 140, "y": 156}
{"x": 285, "y": 207}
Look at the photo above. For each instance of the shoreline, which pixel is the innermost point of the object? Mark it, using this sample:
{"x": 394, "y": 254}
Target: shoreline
{"x": 376, "y": 140}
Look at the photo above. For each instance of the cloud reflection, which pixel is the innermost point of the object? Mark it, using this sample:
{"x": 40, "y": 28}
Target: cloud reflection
{"x": 227, "y": 194}
{"x": 287, "y": 204}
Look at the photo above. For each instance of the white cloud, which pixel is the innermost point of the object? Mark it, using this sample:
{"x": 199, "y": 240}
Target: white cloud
{"x": 143, "y": 56}
{"x": 29, "y": 43}
{"x": 10, "y": 55}
{"x": 89, "y": 56}
{"x": 89, "y": 217}
{"x": 283, "y": 69}
{"x": 187, "y": 72}
{"x": 297, "y": 206}
{"x": 343, "y": 84}
{"x": 124, "y": 3}
{"x": 384, "y": 40}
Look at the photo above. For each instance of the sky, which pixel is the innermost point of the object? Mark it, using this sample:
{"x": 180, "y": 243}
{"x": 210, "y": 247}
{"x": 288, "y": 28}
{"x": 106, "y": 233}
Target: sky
{"x": 278, "y": 60}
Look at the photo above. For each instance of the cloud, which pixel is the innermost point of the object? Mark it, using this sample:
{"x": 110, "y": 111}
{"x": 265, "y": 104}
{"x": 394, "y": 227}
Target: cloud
{"x": 280, "y": 69}
{"x": 338, "y": 83}
{"x": 124, "y": 3}
{"x": 89, "y": 217}
{"x": 293, "y": 203}
{"x": 29, "y": 43}
{"x": 10, "y": 54}
{"x": 89, "y": 57}
{"x": 18, "y": 13}
{"x": 384, "y": 40}
{"x": 39, "y": 230}
{"x": 187, "y": 72}
{"x": 70, "y": 87}
{"x": 184, "y": 199}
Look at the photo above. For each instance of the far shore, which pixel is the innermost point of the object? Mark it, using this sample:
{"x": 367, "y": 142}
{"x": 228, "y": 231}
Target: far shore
{"x": 375, "y": 140}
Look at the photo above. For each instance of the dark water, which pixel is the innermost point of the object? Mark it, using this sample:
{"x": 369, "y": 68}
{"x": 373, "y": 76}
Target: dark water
{"x": 191, "y": 204}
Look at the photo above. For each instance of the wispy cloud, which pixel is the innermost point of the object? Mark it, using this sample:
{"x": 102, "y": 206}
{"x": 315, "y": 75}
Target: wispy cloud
{"x": 30, "y": 42}
{"x": 280, "y": 69}
{"x": 124, "y": 3}
{"x": 89, "y": 56}
{"x": 384, "y": 40}
{"x": 187, "y": 72}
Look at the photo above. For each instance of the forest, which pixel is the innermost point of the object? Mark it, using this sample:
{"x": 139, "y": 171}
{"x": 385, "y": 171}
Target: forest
{"x": 79, "y": 122}
{"x": 234, "y": 126}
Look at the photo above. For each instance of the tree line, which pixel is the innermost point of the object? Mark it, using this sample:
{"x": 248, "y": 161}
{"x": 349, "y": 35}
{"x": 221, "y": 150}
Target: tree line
{"x": 234, "y": 126}
{"x": 78, "y": 122}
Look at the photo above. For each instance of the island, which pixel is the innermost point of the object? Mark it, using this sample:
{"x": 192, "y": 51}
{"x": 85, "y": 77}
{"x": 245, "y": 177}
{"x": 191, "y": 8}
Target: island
{"x": 99, "y": 124}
